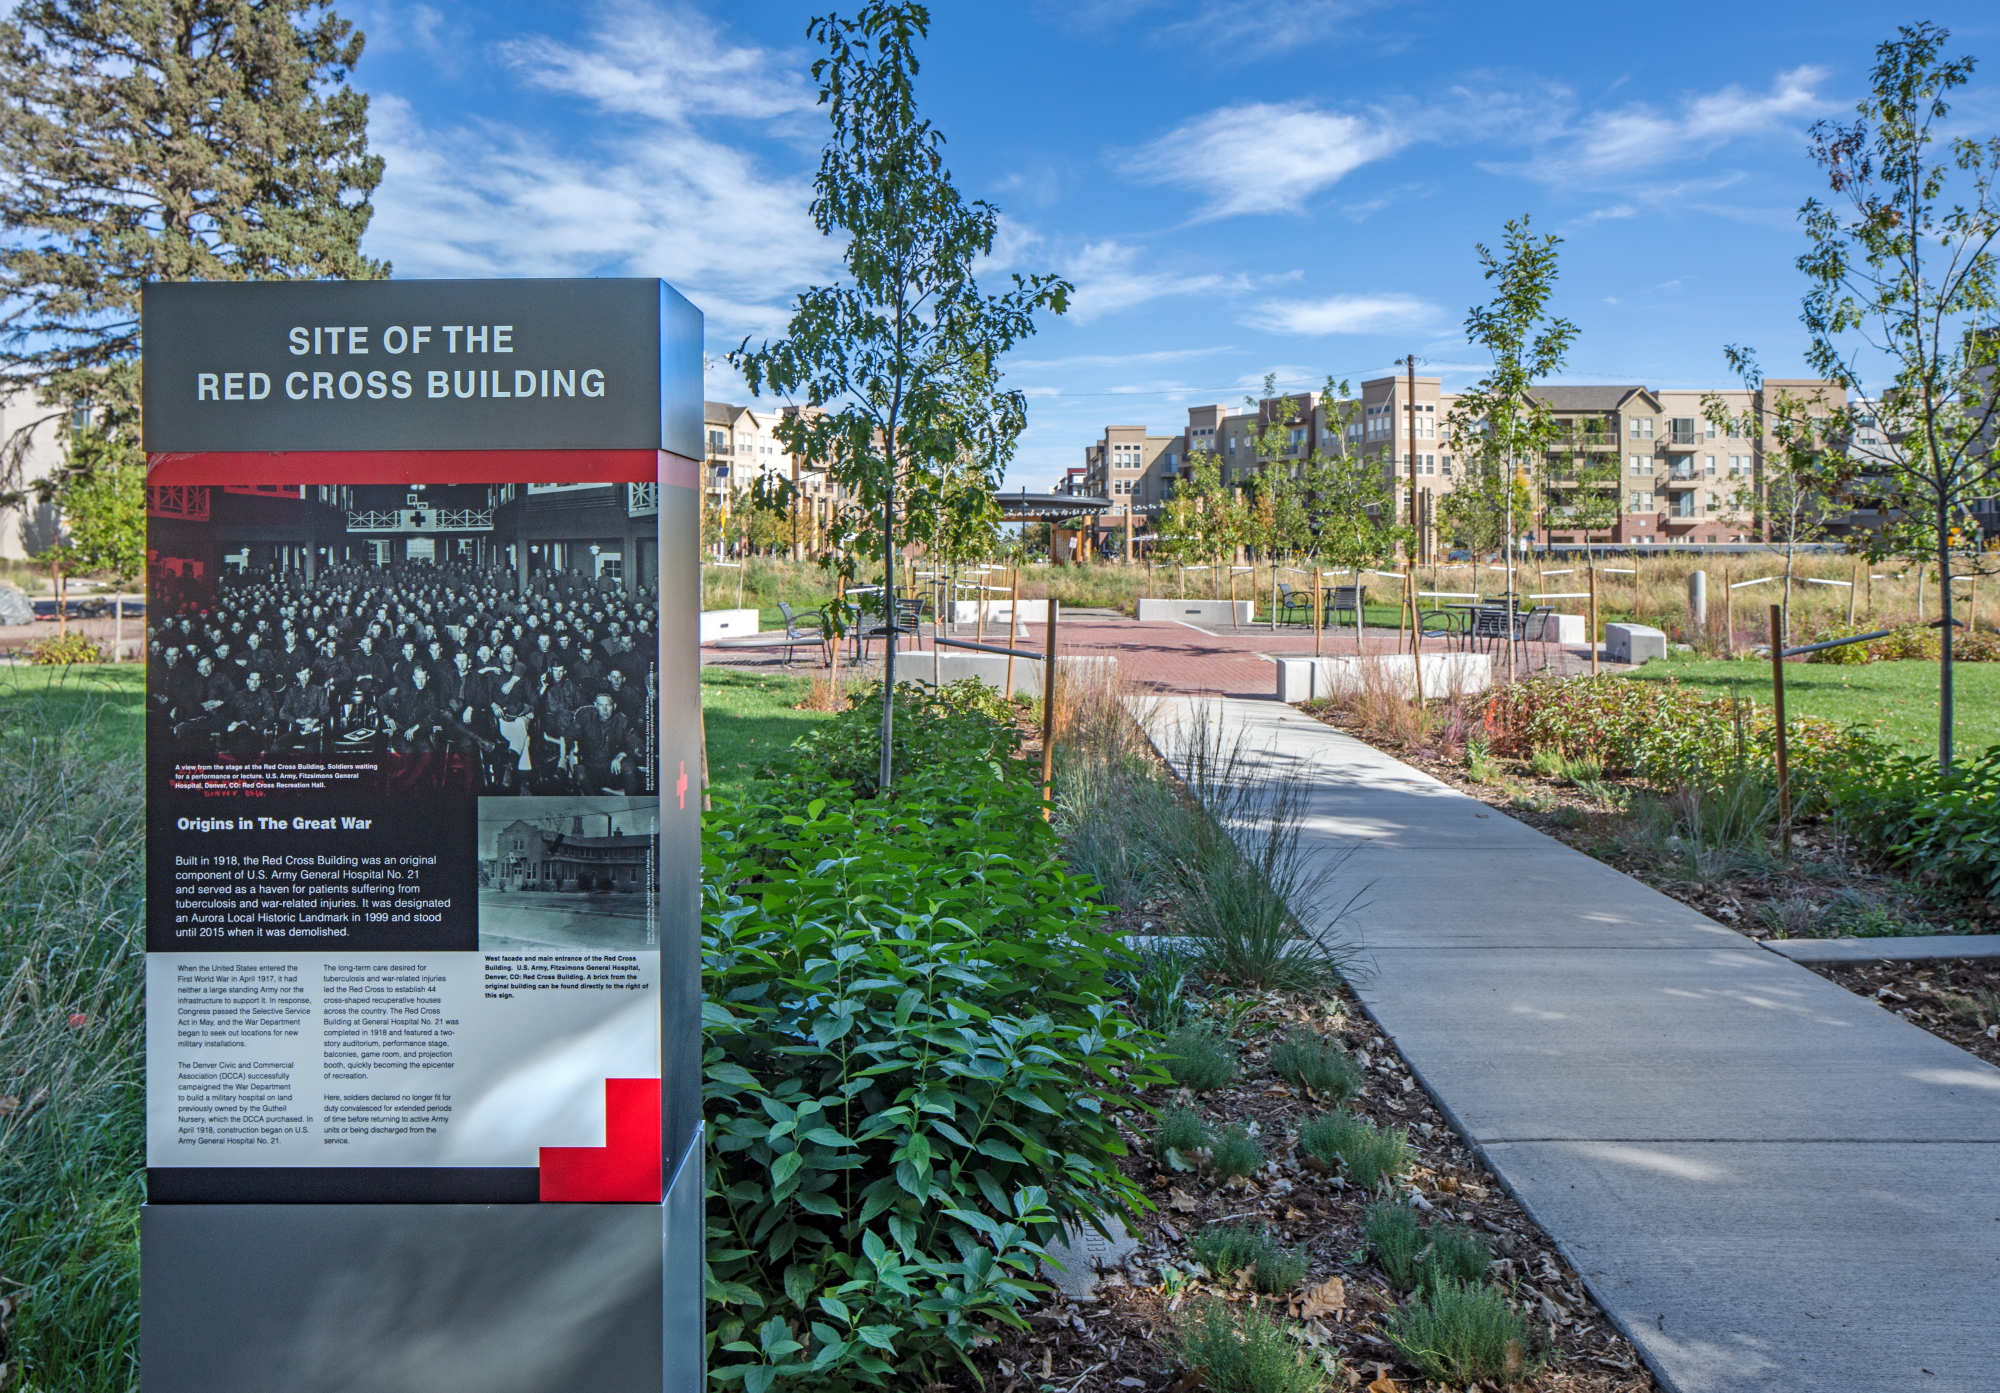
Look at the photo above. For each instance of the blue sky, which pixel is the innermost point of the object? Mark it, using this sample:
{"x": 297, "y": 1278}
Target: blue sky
{"x": 1236, "y": 187}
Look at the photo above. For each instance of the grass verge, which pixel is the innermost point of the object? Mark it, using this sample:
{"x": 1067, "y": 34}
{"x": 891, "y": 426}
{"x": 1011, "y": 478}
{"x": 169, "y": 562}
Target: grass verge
{"x": 72, "y": 1110}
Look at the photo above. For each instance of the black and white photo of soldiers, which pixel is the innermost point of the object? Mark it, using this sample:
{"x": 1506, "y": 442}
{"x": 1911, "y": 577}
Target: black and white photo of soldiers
{"x": 548, "y": 689}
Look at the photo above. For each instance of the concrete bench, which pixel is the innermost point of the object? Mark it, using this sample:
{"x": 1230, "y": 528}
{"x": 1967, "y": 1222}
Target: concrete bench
{"x": 1633, "y": 643}
{"x": 727, "y": 623}
{"x": 991, "y": 668}
{"x": 1199, "y": 611}
{"x": 1445, "y": 674}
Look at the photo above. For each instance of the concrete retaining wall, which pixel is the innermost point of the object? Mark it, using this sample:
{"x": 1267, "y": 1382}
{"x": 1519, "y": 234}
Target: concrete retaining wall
{"x": 1198, "y": 611}
{"x": 991, "y": 669}
{"x": 1308, "y": 679}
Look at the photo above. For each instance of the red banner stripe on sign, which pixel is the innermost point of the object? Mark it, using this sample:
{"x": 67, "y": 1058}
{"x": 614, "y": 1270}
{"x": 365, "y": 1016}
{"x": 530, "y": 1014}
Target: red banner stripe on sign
{"x": 421, "y": 467}
{"x": 626, "y": 1169}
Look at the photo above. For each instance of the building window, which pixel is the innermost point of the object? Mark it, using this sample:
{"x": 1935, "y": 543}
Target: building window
{"x": 1680, "y": 429}
{"x": 1642, "y": 464}
{"x": 1708, "y": 465}
{"x": 1642, "y": 427}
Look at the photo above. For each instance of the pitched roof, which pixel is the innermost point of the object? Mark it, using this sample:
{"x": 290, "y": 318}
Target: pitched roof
{"x": 1608, "y": 398}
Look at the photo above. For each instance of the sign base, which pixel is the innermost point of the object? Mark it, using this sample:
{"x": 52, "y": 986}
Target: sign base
{"x": 424, "y": 1298}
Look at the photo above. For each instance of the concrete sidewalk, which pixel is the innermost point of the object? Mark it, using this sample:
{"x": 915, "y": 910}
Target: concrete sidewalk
{"x": 1769, "y": 1183}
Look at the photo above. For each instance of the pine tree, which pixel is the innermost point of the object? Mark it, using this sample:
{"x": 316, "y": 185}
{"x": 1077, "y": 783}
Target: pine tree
{"x": 165, "y": 140}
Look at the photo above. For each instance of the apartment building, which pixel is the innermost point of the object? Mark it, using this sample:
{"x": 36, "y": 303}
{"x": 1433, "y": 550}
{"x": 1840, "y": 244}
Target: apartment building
{"x": 1678, "y": 477}
{"x": 29, "y": 527}
{"x": 740, "y": 449}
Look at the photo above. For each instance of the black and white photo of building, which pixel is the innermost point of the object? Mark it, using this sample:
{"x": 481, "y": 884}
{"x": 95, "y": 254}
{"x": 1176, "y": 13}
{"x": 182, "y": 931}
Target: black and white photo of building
{"x": 568, "y": 872}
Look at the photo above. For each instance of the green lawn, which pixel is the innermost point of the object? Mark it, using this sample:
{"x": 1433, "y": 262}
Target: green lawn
{"x": 750, "y": 718}
{"x": 1900, "y": 698}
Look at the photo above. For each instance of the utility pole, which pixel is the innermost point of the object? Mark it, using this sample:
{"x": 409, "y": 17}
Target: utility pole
{"x": 1410, "y": 407}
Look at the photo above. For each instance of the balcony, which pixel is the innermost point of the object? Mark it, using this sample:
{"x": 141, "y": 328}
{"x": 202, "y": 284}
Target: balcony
{"x": 641, "y": 500}
{"x": 422, "y": 520}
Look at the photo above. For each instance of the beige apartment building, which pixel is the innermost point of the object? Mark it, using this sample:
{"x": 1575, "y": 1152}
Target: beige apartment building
{"x": 739, "y": 449}
{"x": 1679, "y": 478}
{"x": 28, "y": 527}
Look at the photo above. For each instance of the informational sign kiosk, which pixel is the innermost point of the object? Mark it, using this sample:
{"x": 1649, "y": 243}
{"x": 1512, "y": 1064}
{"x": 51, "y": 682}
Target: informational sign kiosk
{"x": 423, "y": 806}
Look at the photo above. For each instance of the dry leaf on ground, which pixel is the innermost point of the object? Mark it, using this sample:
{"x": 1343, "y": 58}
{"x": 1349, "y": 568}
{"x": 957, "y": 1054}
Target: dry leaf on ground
{"x": 1323, "y": 1300}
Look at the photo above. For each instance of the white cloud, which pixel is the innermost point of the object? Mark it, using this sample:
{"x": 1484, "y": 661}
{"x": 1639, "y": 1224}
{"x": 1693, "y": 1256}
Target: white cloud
{"x": 1265, "y": 26}
{"x": 1343, "y": 314}
{"x": 1264, "y": 157}
{"x": 638, "y": 60}
{"x": 1642, "y": 135}
{"x": 1269, "y": 157}
{"x": 1615, "y": 211}
{"x": 1110, "y": 360}
{"x": 649, "y": 194}
{"x": 1106, "y": 281}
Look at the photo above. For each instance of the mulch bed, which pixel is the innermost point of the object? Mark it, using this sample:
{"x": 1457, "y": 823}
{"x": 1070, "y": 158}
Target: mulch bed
{"x": 1956, "y": 999}
{"x": 1117, "y": 1340}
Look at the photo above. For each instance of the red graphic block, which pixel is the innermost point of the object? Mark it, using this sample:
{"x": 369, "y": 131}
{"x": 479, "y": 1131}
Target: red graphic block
{"x": 626, "y": 1169}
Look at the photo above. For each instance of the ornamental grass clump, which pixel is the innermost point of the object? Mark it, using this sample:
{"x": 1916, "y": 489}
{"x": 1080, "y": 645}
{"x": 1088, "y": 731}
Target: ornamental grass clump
{"x": 1240, "y": 1349}
{"x": 1455, "y": 1254}
{"x": 1461, "y": 1332}
{"x": 1180, "y": 1134}
{"x": 1305, "y": 1060}
{"x": 1367, "y": 1154}
{"x": 1227, "y": 1249}
{"x": 1394, "y": 1240}
{"x": 1240, "y": 871}
{"x": 1201, "y": 1058}
{"x": 1235, "y": 1153}
{"x": 72, "y": 944}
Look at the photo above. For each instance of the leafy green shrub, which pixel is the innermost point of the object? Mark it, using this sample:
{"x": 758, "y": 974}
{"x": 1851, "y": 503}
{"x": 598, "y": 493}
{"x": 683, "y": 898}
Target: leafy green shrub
{"x": 912, "y": 1059}
{"x": 64, "y": 651}
{"x": 1456, "y": 1254}
{"x": 1918, "y": 642}
{"x": 1202, "y": 1059}
{"x": 1240, "y": 1349}
{"x": 1305, "y": 1060}
{"x": 1181, "y": 1132}
{"x": 1480, "y": 766}
{"x": 1675, "y": 737}
{"x": 940, "y": 733}
{"x": 1367, "y": 1154}
{"x": 1460, "y": 1332}
{"x": 1156, "y": 988}
{"x": 1394, "y": 1239}
{"x": 1848, "y": 654}
{"x": 1946, "y": 825}
{"x": 1235, "y": 1153}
